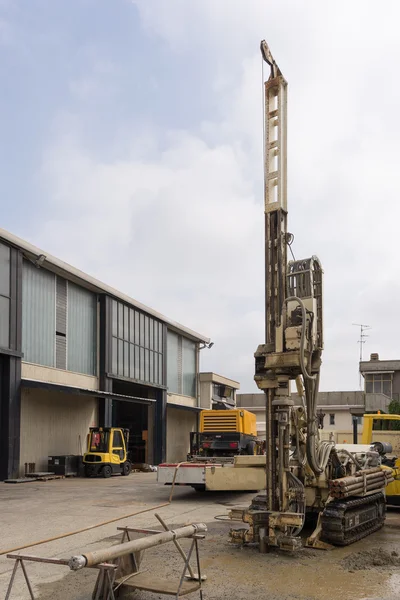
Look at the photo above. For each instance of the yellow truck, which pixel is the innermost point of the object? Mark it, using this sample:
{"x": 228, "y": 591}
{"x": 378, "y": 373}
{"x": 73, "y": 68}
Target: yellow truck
{"x": 225, "y": 433}
{"x": 392, "y": 490}
{"x": 222, "y": 455}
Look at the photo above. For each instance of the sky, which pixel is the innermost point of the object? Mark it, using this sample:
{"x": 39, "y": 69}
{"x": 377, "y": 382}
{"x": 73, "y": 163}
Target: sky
{"x": 132, "y": 149}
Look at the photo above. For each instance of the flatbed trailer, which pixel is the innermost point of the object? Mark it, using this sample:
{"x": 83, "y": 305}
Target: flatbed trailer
{"x": 240, "y": 473}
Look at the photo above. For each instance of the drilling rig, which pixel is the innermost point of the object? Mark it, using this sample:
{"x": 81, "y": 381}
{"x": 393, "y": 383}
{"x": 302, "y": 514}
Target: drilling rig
{"x": 343, "y": 485}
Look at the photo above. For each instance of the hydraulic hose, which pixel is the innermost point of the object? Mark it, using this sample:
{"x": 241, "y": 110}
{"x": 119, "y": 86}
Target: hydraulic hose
{"x": 311, "y": 385}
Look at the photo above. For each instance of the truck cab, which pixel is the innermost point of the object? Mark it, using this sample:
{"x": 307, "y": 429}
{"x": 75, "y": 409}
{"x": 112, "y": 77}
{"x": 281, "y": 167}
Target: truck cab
{"x": 107, "y": 452}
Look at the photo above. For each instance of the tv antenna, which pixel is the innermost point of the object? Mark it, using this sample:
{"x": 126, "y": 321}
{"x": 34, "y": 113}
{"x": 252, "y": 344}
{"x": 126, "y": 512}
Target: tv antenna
{"x": 363, "y": 327}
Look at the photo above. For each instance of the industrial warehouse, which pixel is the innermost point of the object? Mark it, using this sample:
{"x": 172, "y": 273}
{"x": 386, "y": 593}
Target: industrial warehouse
{"x": 77, "y": 354}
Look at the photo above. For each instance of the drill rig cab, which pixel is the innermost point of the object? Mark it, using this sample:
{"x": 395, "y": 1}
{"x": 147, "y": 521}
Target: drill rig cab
{"x": 303, "y": 473}
{"x": 107, "y": 452}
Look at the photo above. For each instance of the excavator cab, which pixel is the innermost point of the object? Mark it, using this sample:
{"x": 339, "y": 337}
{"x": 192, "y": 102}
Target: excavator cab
{"x": 107, "y": 452}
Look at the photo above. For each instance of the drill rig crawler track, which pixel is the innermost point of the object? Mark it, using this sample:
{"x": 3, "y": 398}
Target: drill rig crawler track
{"x": 349, "y": 520}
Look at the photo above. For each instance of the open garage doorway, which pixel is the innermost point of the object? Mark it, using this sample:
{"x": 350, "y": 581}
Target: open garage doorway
{"x": 137, "y": 417}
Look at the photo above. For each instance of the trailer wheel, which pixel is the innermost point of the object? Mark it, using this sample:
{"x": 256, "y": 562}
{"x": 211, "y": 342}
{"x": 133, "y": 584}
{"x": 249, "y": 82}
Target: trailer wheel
{"x": 126, "y": 468}
{"x": 199, "y": 488}
{"x": 251, "y": 447}
{"x": 106, "y": 471}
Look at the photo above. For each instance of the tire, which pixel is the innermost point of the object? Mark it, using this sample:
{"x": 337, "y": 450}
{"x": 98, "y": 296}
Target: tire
{"x": 89, "y": 471}
{"x": 199, "y": 488}
{"x": 106, "y": 471}
{"x": 126, "y": 468}
{"x": 251, "y": 446}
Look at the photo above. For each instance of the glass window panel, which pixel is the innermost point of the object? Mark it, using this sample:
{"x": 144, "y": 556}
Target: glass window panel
{"x": 114, "y": 310}
{"x": 114, "y": 358}
{"x": 146, "y": 331}
{"x": 117, "y": 440}
{"x": 151, "y": 339}
{"x": 160, "y": 370}
{"x": 377, "y": 386}
{"x": 131, "y": 325}
{"x": 369, "y": 387}
{"x": 369, "y": 377}
{"x": 137, "y": 328}
{"x": 160, "y": 337}
{"x": 4, "y": 322}
{"x": 131, "y": 361}
{"x": 141, "y": 373}
{"x": 147, "y": 365}
{"x": 155, "y": 326}
{"x": 4, "y": 271}
{"x": 126, "y": 359}
{"x": 172, "y": 362}
{"x": 141, "y": 330}
{"x": 188, "y": 367}
{"x": 387, "y": 388}
{"x": 151, "y": 366}
{"x": 120, "y": 320}
{"x": 137, "y": 362}
{"x": 155, "y": 367}
{"x": 120, "y": 357}
{"x": 126, "y": 323}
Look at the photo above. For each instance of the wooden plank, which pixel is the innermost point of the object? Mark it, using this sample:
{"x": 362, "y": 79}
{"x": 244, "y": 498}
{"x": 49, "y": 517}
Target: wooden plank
{"x": 149, "y": 583}
{"x": 20, "y": 480}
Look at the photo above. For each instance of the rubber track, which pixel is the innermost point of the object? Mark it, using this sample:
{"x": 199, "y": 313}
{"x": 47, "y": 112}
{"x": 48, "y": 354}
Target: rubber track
{"x": 333, "y": 519}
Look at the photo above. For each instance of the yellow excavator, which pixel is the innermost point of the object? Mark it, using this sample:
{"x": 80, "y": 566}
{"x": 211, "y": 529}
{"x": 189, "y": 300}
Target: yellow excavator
{"x": 384, "y": 448}
{"x": 107, "y": 452}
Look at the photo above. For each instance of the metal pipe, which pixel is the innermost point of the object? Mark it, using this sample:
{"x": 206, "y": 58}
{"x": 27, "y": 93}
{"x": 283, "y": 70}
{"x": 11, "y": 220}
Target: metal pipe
{"x": 358, "y": 481}
{"x": 108, "y": 554}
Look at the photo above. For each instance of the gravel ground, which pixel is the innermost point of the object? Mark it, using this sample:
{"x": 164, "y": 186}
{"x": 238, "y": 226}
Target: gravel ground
{"x": 367, "y": 570}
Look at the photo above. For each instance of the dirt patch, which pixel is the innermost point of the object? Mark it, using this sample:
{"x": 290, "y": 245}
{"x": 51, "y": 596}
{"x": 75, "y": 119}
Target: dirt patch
{"x": 371, "y": 559}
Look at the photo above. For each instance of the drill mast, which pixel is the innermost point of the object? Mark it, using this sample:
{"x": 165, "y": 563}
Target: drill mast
{"x": 293, "y": 331}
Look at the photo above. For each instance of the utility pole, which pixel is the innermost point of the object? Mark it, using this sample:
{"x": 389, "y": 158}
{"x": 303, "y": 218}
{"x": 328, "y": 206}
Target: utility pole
{"x": 361, "y": 341}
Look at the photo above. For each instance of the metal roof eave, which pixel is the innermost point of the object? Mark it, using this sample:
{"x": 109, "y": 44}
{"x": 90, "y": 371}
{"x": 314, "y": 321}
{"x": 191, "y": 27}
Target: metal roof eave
{"x": 92, "y": 283}
{"x": 69, "y": 389}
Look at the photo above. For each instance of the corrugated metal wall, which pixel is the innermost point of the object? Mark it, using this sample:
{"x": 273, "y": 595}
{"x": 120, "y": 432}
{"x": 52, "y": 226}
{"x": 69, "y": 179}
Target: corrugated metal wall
{"x": 180, "y": 423}
{"x": 4, "y": 296}
{"x": 81, "y": 334}
{"x": 61, "y": 323}
{"x": 38, "y": 315}
{"x": 54, "y": 423}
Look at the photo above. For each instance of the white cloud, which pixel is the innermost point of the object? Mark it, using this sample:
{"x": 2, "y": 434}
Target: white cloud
{"x": 181, "y": 228}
